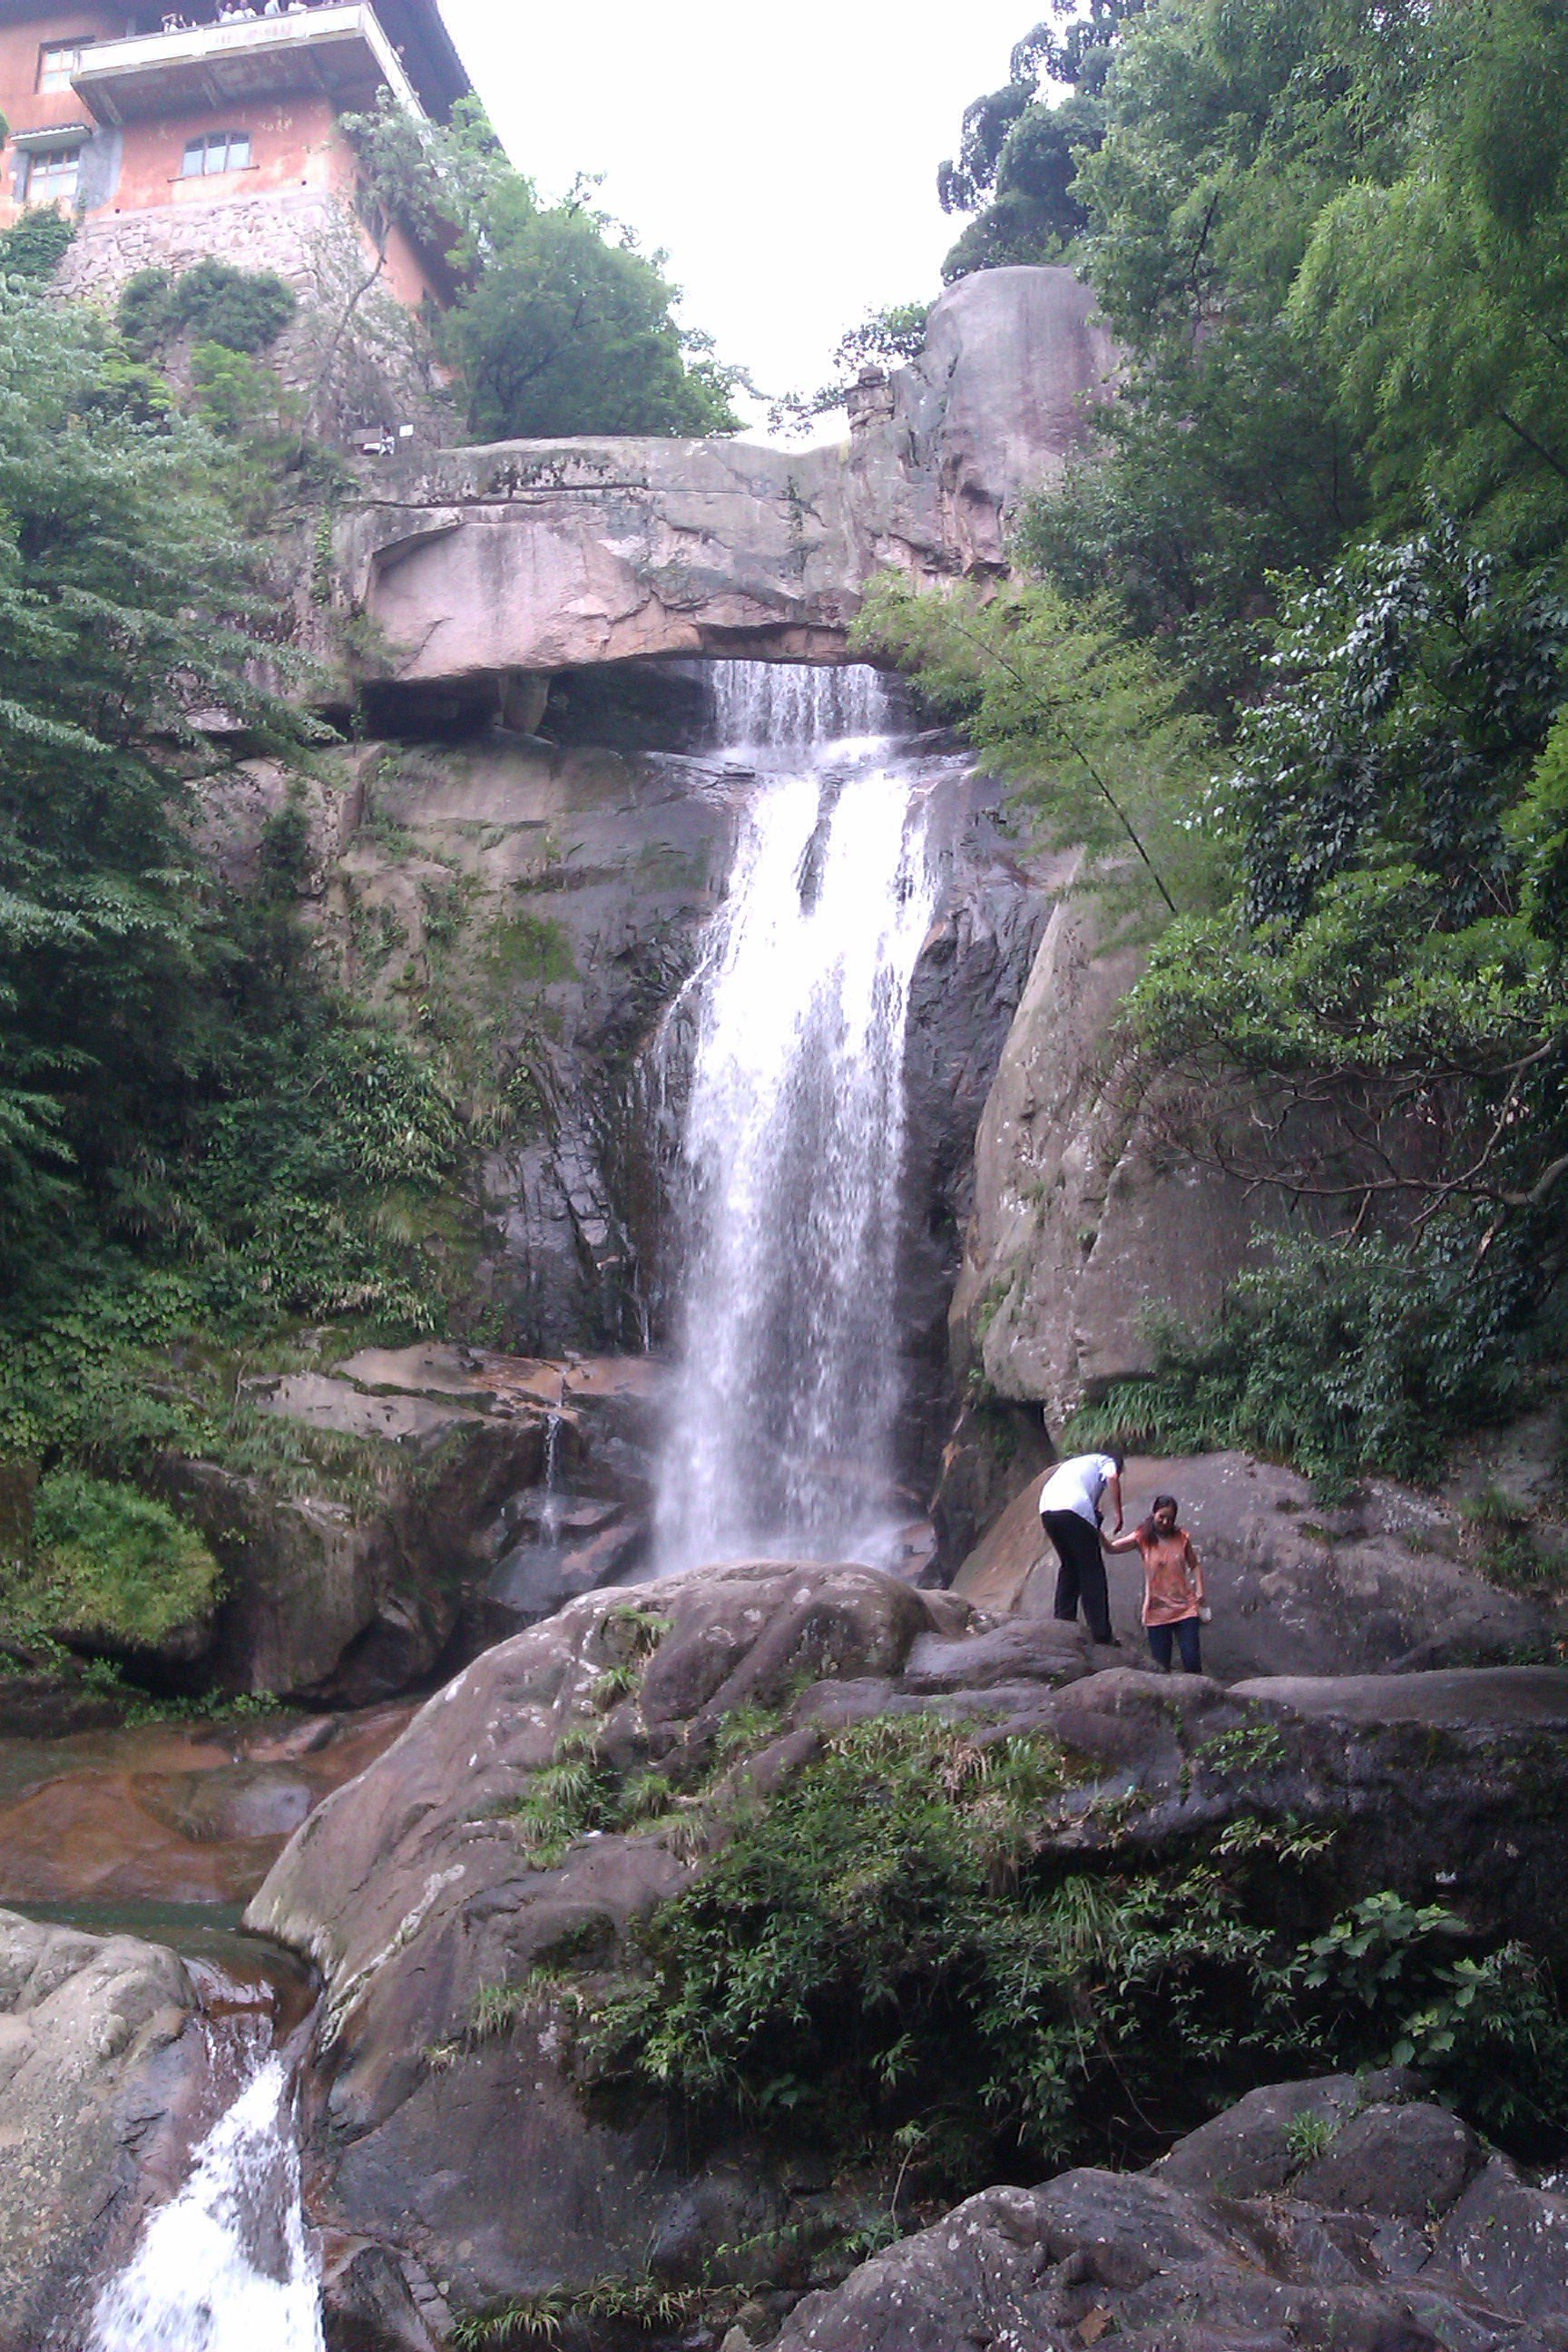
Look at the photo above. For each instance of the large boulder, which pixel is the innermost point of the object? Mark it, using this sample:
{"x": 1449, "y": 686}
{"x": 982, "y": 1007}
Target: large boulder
{"x": 452, "y": 2130}
{"x": 1313, "y": 2217}
{"x": 342, "y": 1601}
{"x": 1383, "y": 1583}
{"x": 1083, "y": 1219}
{"x": 104, "y": 2083}
{"x": 533, "y": 556}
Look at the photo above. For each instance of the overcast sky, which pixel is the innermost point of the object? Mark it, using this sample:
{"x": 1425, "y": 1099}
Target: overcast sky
{"x": 786, "y": 158}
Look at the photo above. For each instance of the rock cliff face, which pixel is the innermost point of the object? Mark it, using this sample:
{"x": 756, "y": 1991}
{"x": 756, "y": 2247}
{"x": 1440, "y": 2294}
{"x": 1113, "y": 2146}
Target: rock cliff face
{"x": 1082, "y": 1218}
{"x": 540, "y": 556}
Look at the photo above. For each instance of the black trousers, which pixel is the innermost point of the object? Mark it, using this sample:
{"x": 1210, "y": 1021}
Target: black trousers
{"x": 1188, "y": 1632}
{"x": 1082, "y": 1573}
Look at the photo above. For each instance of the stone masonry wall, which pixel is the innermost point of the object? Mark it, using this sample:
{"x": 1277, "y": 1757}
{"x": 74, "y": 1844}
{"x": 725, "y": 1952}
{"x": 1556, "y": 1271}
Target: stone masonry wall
{"x": 354, "y": 358}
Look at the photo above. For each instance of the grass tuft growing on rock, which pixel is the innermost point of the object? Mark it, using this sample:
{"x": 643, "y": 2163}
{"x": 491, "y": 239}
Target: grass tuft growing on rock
{"x": 642, "y": 2307}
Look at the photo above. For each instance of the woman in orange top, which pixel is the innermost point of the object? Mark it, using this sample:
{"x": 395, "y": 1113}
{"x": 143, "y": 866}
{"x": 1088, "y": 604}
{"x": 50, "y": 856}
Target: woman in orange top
{"x": 1174, "y": 1606}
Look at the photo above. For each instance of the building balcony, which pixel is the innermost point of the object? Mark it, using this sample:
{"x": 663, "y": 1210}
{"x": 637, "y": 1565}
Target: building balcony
{"x": 339, "y": 52}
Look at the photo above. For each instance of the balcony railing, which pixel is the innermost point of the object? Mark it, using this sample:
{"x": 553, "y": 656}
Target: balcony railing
{"x": 339, "y": 52}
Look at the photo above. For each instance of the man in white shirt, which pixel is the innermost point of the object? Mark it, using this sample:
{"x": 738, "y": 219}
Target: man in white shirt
{"x": 1070, "y": 1509}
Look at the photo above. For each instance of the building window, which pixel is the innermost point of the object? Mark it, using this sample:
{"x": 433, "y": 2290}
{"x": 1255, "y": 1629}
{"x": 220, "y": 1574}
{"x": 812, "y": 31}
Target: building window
{"x": 58, "y": 62}
{"x": 52, "y": 176}
{"x": 220, "y": 150}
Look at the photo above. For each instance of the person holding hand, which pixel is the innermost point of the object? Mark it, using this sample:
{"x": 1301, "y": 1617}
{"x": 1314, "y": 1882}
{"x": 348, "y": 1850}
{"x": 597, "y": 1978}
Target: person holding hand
{"x": 1069, "y": 1507}
{"x": 1175, "y": 1610}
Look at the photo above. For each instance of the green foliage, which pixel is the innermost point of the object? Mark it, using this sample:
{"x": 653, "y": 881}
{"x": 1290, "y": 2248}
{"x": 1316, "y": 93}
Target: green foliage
{"x": 1437, "y": 299}
{"x": 1329, "y": 237}
{"x": 1020, "y": 154}
{"x": 33, "y": 248}
{"x": 198, "y": 1137}
{"x": 1033, "y": 215}
{"x": 235, "y": 396}
{"x": 532, "y": 947}
{"x": 565, "y": 331}
{"x": 238, "y": 310}
{"x": 640, "y": 2306}
{"x": 1090, "y": 729}
{"x": 1309, "y": 2136}
{"x": 887, "y": 1941}
{"x": 1339, "y": 1356}
{"x": 561, "y": 326}
{"x": 111, "y": 1565}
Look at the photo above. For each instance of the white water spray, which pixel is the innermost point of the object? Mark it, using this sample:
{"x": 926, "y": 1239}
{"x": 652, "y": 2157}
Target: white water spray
{"x": 226, "y": 2265}
{"x": 780, "y": 1442}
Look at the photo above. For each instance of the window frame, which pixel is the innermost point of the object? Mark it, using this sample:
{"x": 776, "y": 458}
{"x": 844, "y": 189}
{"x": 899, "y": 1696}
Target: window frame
{"x": 208, "y": 143}
{"x": 50, "y": 160}
{"x": 52, "y": 78}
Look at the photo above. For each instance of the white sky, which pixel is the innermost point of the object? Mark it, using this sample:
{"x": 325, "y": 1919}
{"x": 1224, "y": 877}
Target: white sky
{"x": 787, "y": 159}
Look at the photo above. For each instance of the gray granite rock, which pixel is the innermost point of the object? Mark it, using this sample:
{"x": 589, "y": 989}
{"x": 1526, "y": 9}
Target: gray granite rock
{"x": 1379, "y": 2246}
{"x": 103, "y": 2077}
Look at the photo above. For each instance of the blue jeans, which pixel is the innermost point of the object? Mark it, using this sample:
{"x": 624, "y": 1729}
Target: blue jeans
{"x": 1189, "y": 1634}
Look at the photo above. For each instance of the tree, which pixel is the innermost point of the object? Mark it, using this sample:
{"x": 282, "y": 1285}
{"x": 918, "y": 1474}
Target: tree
{"x": 1438, "y": 301}
{"x": 1227, "y": 457}
{"x": 1019, "y": 153}
{"x": 561, "y": 326}
{"x": 193, "y": 1128}
{"x": 565, "y": 331}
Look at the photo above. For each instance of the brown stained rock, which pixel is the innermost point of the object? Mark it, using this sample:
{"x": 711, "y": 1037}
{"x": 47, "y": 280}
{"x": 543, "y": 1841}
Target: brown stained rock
{"x": 1164, "y": 2262}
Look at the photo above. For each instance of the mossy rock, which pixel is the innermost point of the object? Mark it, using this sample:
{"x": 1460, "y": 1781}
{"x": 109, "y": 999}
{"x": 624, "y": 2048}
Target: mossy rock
{"x": 114, "y": 1571}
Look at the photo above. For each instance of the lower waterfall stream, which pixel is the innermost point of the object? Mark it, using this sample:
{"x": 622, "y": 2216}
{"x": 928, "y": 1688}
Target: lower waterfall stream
{"x": 780, "y": 1437}
{"x": 227, "y": 2264}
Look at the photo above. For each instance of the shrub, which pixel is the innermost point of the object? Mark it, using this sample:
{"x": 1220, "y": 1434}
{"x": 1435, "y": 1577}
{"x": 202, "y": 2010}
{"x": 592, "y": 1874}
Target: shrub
{"x": 34, "y": 246}
{"x": 234, "y": 393}
{"x": 242, "y": 309}
{"x": 891, "y": 1942}
{"x": 114, "y": 1564}
{"x": 1338, "y": 1356}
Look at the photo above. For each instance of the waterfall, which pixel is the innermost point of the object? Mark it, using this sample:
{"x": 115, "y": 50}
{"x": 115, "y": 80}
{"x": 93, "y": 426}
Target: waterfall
{"x": 779, "y": 1437}
{"x": 225, "y": 2266}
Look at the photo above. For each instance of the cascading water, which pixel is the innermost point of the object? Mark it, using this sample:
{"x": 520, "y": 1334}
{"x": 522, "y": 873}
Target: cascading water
{"x": 226, "y": 2265}
{"x": 787, "y": 1386}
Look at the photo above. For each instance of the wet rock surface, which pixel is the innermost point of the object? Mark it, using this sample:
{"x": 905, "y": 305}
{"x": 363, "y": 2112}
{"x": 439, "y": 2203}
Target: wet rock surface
{"x": 1387, "y": 1583}
{"x": 104, "y": 2079}
{"x": 1406, "y": 2233}
{"x": 413, "y": 1891}
{"x": 166, "y": 1814}
{"x": 346, "y": 1604}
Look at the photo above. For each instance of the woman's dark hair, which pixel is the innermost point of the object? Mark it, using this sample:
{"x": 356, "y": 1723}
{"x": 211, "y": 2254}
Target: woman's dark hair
{"x": 1160, "y": 1503}
{"x": 1117, "y": 1455}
